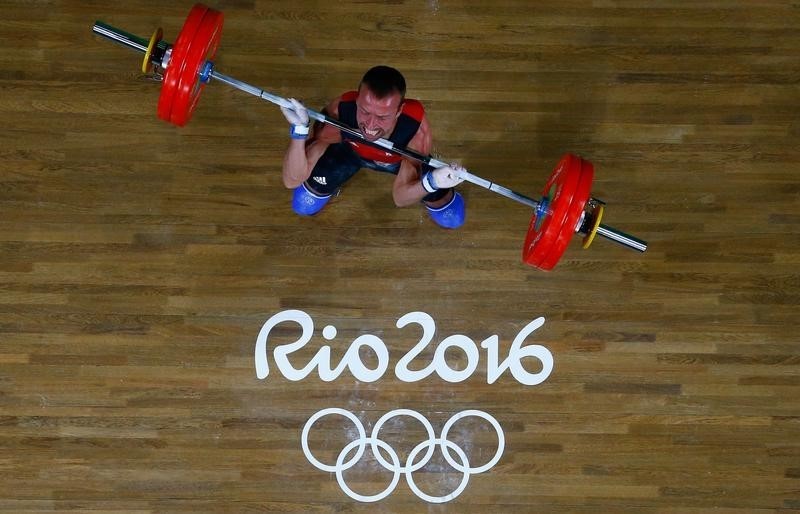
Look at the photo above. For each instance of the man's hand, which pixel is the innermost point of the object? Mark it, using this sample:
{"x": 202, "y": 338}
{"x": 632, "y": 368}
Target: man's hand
{"x": 443, "y": 178}
{"x": 297, "y": 116}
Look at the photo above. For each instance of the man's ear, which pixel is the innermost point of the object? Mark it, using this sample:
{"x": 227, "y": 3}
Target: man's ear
{"x": 399, "y": 109}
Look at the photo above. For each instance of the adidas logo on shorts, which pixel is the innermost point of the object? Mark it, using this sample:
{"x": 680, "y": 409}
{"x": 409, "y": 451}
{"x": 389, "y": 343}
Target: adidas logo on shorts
{"x": 321, "y": 180}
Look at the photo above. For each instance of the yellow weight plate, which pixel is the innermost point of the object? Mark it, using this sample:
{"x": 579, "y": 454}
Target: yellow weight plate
{"x": 598, "y": 215}
{"x": 154, "y": 39}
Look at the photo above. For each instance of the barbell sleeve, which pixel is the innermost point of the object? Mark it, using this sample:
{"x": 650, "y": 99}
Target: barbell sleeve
{"x": 120, "y": 36}
{"x": 622, "y": 238}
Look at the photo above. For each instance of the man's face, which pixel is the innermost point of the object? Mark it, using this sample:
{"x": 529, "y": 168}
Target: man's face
{"x": 376, "y": 117}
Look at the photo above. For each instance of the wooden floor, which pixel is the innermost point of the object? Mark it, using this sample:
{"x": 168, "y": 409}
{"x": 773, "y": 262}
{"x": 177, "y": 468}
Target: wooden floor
{"x": 139, "y": 262}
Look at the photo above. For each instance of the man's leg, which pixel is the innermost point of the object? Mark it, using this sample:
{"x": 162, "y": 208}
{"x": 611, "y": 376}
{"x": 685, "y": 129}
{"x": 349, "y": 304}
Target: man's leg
{"x": 445, "y": 207}
{"x": 336, "y": 166}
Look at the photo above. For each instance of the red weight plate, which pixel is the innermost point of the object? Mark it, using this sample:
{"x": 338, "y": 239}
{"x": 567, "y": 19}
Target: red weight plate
{"x": 202, "y": 48}
{"x": 178, "y": 59}
{"x": 574, "y": 212}
{"x": 542, "y": 234}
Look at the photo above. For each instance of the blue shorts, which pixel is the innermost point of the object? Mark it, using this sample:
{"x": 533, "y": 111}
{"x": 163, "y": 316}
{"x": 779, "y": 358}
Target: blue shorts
{"x": 340, "y": 163}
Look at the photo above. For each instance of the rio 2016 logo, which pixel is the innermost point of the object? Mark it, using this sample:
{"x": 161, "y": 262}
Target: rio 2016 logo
{"x": 351, "y": 361}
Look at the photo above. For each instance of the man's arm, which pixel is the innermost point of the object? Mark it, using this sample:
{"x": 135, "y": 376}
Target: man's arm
{"x": 302, "y": 154}
{"x": 410, "y": 187}
{"x": 407, "y": 188}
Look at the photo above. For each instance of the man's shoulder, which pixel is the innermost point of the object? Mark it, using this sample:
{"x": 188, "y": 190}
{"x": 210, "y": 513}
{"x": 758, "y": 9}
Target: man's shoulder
{"x": 348, "y": 96}
{"x": 413, "y": 108}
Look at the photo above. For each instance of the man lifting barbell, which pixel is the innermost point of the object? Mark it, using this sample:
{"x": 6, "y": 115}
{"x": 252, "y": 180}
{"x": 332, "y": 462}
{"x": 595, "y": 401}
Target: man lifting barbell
{"x": 321, "y": 159}
{"x": 350, "y": 137}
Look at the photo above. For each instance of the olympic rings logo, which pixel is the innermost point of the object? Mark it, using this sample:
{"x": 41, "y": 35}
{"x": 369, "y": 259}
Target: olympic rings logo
{"x": 343, "y": 463}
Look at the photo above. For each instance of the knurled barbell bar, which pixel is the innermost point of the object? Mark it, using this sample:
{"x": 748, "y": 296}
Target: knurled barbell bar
{"x": 566, "y": 207}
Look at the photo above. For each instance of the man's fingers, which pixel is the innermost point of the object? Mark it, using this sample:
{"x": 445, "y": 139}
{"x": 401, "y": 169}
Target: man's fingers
{"x": 295, "y": 113}
{"x": 301, "y": 111}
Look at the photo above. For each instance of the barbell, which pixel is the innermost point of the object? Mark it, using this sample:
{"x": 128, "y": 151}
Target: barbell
{"x": 566, "y": 206}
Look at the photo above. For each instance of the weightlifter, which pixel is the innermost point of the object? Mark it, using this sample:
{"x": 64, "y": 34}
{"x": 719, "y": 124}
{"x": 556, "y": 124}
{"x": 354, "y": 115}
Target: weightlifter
{"x": 320, "y": 159}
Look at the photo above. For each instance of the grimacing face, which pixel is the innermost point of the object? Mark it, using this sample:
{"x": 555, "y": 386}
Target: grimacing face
{"x": 377, "y": 117}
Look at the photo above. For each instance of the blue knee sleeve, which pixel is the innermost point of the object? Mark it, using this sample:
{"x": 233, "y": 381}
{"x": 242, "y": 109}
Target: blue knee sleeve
{"x": 307, "y": 203}
{"x": 451, "y": 215}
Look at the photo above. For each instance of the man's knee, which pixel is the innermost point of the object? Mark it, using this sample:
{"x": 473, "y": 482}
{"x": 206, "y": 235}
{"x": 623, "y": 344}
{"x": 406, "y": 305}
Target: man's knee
{"x": 306, "y": 202}
{"x": 451, "y": 214}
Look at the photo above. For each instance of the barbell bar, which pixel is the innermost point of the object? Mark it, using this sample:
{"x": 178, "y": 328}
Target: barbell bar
{"x": 565, "y": 208}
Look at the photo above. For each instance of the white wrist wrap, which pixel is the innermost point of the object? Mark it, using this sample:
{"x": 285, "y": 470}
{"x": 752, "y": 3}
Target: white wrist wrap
{"x": 428, "y": 183}
{"x": 299, "y": 131}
